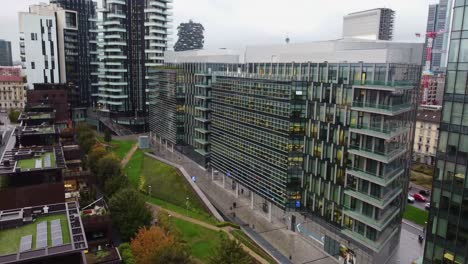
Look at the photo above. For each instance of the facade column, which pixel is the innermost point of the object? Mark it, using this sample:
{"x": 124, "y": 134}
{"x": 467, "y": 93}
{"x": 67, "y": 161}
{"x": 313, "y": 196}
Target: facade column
{"x": 212, "y": 174}
{"x": 172, "y": 148}
{"x": 269, "y": 212}
{"x": 237, "y": 190}
{"x": 224, "y": 181}
{"x": 251, "y": 200}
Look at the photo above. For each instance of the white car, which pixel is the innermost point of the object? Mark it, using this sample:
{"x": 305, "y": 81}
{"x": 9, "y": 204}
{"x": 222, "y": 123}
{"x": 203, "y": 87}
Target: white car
{"x": 410, "y": 199}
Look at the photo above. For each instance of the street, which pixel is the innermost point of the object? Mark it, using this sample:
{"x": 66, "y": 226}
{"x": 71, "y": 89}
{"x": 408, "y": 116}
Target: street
{"x": 415, "y": 189}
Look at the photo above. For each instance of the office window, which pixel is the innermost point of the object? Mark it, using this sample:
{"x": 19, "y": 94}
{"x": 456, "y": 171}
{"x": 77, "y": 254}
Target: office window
{"x": 33, "y": 65}
{"x": 457, "y": 18}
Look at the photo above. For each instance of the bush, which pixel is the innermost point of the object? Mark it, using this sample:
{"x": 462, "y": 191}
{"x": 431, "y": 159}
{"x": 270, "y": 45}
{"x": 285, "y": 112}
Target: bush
{"x": 13, "y": 116}
{"x": 224, "y": 224}
{"x": 126, "y": 253}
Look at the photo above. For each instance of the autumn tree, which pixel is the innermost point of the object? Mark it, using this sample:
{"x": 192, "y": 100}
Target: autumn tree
{"x": 129, "y": 212}
{"x": 107, "y": 167}
{"x": 97, "y": 152}
{"x": 156, "y": 246}
{"x": 229, "y": 252}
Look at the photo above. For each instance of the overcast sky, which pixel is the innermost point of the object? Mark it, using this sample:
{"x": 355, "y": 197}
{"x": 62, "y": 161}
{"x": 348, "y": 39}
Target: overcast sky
{"x": 237, "y": 23}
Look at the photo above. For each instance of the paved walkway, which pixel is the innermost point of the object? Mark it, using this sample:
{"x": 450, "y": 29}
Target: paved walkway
{"x": 129, "y": 155}
{"x": 226, "y": 229}
{"x": 286, "y": 246}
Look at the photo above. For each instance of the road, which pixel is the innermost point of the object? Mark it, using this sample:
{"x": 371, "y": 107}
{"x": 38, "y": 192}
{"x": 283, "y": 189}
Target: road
{"x": 415, "y": 189}
{"x": 409, "y": 248}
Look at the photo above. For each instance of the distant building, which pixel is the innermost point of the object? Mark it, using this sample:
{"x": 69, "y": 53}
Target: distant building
{"x": 51, "y": 96}
{"x": 5, "y": 53}
{"x": 426, "y": 135}
{"x": 374, "y": 24}
{"x": 190, "y": 36}
{"x": 12, "y": 88}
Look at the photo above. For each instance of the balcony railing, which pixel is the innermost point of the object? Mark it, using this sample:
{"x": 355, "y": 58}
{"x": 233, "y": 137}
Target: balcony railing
{"x": 390, "y": 108}
{"x": 382, "y": 180}
{"x": 380, "y": 201}
{"x": 387, "y": 130}
{"x": 382, "y": 156}
{"x": 402, "y": 84}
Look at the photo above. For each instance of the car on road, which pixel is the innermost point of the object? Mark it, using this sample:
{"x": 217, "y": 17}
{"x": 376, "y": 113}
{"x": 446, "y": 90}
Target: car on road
{"x": 419, "y": 197}
{"x": 425, "y": 192}
{"x": 427, "y": 206}
{"x": 410, "y": 199}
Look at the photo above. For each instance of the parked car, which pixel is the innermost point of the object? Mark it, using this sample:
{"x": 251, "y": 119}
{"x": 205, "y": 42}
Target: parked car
{"x": 419, "y": 197}
{"x": 427, "y": 206}
{"x": 425, "y": 192}
{"x": 410, "y": 199}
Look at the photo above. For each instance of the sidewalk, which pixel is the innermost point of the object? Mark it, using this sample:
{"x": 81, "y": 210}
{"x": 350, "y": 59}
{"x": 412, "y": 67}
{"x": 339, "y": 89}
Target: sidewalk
{"x": 273, "y": 236}
{"x": 129, "y": 155}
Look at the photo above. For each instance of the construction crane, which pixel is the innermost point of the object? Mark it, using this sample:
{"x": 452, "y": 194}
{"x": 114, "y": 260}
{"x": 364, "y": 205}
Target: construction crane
{"x": 427, "y": 71}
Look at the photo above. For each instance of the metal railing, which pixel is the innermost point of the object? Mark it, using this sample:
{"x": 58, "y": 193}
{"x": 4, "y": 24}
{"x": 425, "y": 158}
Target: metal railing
{"x": 382, "y": 106}
{"x": 389, "y": 83}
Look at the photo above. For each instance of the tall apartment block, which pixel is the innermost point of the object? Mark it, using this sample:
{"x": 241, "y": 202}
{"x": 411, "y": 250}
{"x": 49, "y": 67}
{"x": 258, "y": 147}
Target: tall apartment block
{"x": 374, "y": 24}
{"x": 447, "y": 228}
{"x": 5, "y": 53}
{"x": 327, "y": 140}
{"x": 439, "y": 17}
{"x": 80, "y": 70}
{"x": 132, "y": 38}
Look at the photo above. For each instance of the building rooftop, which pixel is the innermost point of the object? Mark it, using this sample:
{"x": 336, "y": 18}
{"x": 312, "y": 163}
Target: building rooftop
{"x": 32, "y": 159}
{"x": 35, "y": 130}
{"x": 35, "y": 233}
{"x": 432, "y": 116}
{"x": 36, "y": 116}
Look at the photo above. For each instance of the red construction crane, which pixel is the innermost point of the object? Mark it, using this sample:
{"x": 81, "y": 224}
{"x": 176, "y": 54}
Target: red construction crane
{"x": 427, "y": 72}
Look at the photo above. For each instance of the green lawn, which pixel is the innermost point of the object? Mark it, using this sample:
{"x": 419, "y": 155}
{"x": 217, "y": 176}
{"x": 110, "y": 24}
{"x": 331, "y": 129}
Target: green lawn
{"x": 202, "y": 241}
{"x": 119, "y": 147}
{"x": 416, "y": 215}
{"x": 31, "y": 163}
{"x": 10, "y": 238}
{"x": 134, "y": 166}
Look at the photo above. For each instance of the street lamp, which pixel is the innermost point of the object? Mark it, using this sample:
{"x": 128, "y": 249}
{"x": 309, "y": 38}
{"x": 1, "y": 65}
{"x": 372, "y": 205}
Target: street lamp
{"x": 149, "y": 190}
{"x": 187, "y": 204}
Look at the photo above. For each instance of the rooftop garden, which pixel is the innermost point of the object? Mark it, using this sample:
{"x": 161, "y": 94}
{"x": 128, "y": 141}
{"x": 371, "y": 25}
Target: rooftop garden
{"x": 39, "y": 162}
{"x": 10, "y": 238}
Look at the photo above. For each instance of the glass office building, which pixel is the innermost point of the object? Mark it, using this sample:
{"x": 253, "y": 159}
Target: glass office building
{"x": 447, "y": 228}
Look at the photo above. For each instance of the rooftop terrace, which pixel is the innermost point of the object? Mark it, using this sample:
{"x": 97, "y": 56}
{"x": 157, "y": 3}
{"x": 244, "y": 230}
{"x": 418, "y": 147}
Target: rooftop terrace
{"x": 32, "y": 159}
{"x": 42, "y": 129}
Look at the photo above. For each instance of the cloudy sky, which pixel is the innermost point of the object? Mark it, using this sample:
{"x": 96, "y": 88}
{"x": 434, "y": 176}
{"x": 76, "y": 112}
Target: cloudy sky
{"x": 236, "y": 23}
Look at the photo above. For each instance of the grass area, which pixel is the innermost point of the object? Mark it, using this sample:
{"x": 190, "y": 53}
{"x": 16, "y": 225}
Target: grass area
{"x": 416, "y": 215}
{"x": 119, "y": 147}
{"x": 201, "y": 241}
{"x": 27, "y": 164}
{"x": 421, "y": 179}
{"x": 196, "y": 214}
{"x": 168, "y": 185}
{"x": 243, "y": 238}
{"x": 10, "y": 238}
{"x": 134, "y": 167}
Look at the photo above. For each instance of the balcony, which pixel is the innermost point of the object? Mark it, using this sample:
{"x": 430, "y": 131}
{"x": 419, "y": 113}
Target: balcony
{"x": 384, "y": 85}
{"x": 382, "y": 180}
{"x": 202, "y": 97}
{"x": 387, "y": 131}
{"x": 202, "y": 152}
{"x": 202, "y": 130}
{"x": 201, "y": 119}
{"x": 202, "y": 141}
{"x": 201, "y": 108}
{"x": 386, "y": 157}
{"x": 377, "y": 201}
{"x": 382, "y": 109}
{"x": 380, "y": 224}
{"x": 374, "y": 245}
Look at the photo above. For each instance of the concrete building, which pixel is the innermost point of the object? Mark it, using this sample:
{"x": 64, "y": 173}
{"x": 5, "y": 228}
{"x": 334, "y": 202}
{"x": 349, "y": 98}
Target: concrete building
{"x": 5, "y": 53}
{"x": 374, "y": 24}
{"x": 330, "y": 140}
{"x": 12, "y": 88}
{"x": 426, "y": 135}
{"x": 133, "y": 36}
{"x": 447, "y": 230}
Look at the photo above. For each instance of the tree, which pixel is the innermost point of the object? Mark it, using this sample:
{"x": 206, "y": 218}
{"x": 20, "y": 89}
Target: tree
{"x": 166, "y": 223}
{"x": 126, "y": 253}
{"x": 156, "y": 246}
{"x": 14, "y": 115}
{"x": 97, "y": 152}
{"x": 229, "y": 252}
{"x": 129, "y": 212}
{"x": 107, "y": 136}
{"x": 107, "y": 167}
{"x": 85, "y": 136}
{"x": 114, "y": 184}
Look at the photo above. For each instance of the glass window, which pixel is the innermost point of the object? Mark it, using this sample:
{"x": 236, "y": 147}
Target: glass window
{"x": 453, "y": 53}
{"x": 447, "y": 112}
{"x": 463, "y": 57}
{"x": 457, "y": 113}
{"x": 461, "y": 76}
{"x": 442, "y": 227}
{"x": 457, "y": 18}
{"x": 465, "y": 21}
{"x": 450, "y": 82}
{"x": 443, "y": 141}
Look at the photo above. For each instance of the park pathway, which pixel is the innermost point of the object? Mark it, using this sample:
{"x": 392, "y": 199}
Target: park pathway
{"x": 129, "y": 155}
{"x": 226, "y": 229}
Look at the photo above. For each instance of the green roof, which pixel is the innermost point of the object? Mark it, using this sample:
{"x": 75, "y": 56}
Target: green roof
{"x": 28, "y": 164}
{"x": 39, "y": 115}
{"x": 10, "y": 238}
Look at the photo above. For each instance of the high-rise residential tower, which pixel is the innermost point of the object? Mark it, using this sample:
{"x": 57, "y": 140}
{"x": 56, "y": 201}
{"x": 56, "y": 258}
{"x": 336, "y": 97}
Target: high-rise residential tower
{"x": 438, "y": 20}
{"x": 132, "y": 38}
{"x": 190, "y": 36}
{"x": 447, "y": 227}
{"x": 5, "y": 53}
{"x": 80, "y": 72}
{"x": 374, "y": 24}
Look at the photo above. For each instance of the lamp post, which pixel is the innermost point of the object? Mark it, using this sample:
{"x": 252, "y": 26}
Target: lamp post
{"x": 187, "y": 205}
{"x": 149, "y": 190}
